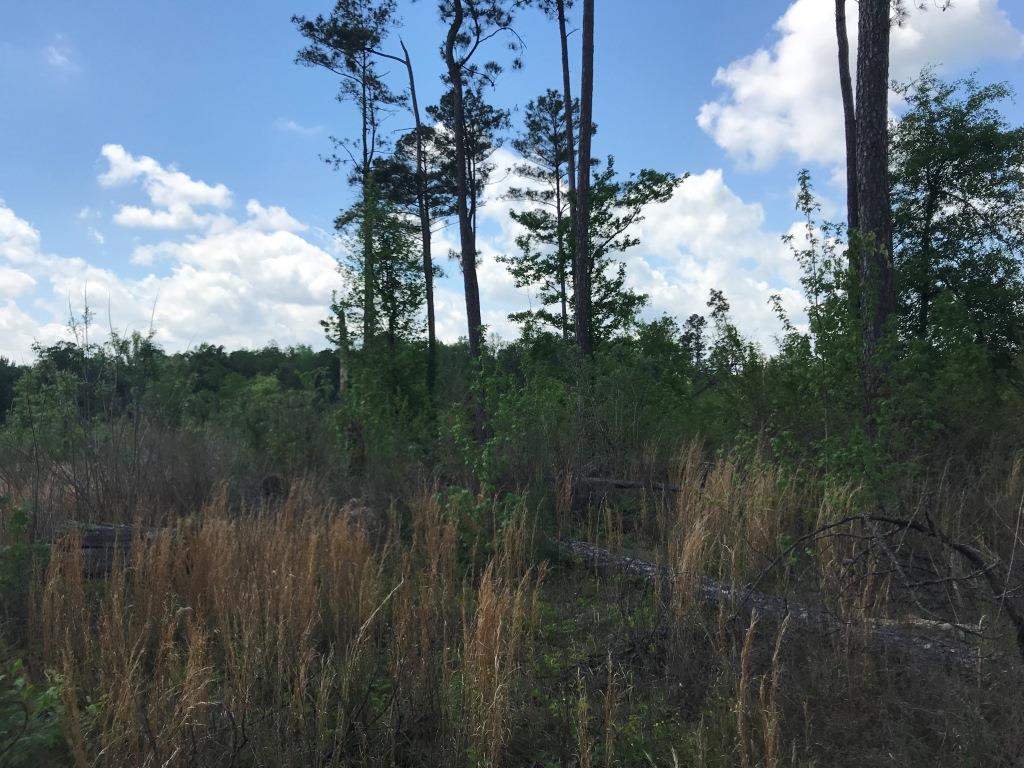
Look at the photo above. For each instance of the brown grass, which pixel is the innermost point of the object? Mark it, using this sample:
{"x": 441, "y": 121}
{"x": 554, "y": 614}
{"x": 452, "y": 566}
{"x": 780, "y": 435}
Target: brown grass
{"x": 295, "y": 637}
{"x": 306, "y": 633}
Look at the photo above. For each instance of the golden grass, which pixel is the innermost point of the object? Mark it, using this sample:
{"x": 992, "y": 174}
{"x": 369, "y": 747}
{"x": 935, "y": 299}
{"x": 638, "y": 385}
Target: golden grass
{"x": 312, "y": 634}
{"x": 730, "y": 518}
{"x": 294, "y": 637}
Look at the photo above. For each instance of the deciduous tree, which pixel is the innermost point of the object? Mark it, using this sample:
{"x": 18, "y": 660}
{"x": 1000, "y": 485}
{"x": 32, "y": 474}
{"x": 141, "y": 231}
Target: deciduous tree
{"x": 957, "y": 181}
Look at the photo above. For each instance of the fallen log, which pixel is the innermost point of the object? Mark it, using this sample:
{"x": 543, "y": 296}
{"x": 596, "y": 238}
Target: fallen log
{"x": 103, "y": 544}
{"x": 612, "y": 482}
{"x": 911, "y": 638}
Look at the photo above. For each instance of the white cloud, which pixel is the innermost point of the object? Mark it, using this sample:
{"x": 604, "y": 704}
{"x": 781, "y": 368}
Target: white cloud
{"x": 238, "y": 283}
{"x": 59, "y": 56}
{"x": 498, "y": 293}
{"x": 292, "y": 126}
{"x": 14, "y": 282}
{"x": 271, "y": 218}
{"x": 785, "y": 100}
{"x": 174, "y": 195}
{"x": 19, "y": 240}
{"x": 17, "y": 333}
{"x": 706, "y": 237}
{"x": 97, "y": 235}
{"x": 262, "y": 276}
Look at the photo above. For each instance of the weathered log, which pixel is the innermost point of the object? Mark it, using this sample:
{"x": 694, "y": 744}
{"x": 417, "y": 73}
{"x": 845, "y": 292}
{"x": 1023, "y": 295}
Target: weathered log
{"x": 613, "y": 482}
{"x": 104, "y": 544}
{"x": 910, "y": 638}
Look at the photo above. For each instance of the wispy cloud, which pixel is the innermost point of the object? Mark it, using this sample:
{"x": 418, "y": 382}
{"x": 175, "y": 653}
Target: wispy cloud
{"x": 59, "y": 55}
{"x": 291, "y": 126}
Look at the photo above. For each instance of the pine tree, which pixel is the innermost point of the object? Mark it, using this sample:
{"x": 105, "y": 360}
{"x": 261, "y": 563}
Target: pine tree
{"x": 616, "y": 205}
{"x": 545, "y": 259}
{"x": 396, "y": 271}
{"x": 344, "y": 43}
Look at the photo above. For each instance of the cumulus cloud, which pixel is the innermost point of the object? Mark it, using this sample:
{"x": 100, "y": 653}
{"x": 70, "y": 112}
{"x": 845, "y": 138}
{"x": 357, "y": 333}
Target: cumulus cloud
{"x": 262, "y": 275}
{"x": 704, "y": 237}
{"x": 173, "y": 194}
{"x": 707, "y": 237}
{"x": 238, "y": 282}
{"x": 271, "y": 218}
{"x": 19, "y": 240}
{"x": 785, "y": 99}
{"x": 14, "y": 282}
{"x": 499, "y": 295}
{"x": 17, "y": 332}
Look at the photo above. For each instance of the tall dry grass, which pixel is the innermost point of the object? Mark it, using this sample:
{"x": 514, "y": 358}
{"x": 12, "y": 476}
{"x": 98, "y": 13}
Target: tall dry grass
{"x": 730, "y": 518}
{"x": 308, "y": 633}
{"x": 296, "y": 637}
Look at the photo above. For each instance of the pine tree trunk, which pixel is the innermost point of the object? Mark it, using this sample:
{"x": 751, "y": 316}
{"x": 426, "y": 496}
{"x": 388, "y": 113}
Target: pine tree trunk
{"x": 369, "y": 290}
{"x": 560, "y": 245}
{"x": 581, "y": 257}
{"x": 366, "y": 228}
{"x": 424, "y": 214}
{"x": 467, "y": 236}
{"x": 874, "y": 211}
{"x": 849, "y": 115}
{"x": 570, "y": 139}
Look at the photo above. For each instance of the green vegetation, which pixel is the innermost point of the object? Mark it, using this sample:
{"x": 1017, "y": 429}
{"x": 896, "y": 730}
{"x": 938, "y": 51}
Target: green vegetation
{"x": 352, "y": 556}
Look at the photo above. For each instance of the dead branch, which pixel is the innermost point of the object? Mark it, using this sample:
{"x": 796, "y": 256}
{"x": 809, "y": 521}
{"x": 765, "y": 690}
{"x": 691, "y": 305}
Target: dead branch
{"x": 995, "y": 573}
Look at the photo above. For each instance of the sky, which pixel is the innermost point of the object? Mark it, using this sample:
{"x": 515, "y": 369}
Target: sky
{"x": 160, "y": 160}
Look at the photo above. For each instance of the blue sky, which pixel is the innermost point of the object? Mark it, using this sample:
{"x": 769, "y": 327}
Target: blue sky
{"x": 209, "y": 123}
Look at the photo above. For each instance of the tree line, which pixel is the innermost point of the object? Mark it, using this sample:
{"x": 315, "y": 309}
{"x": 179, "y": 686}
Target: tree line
{"x": 576, "y": 209}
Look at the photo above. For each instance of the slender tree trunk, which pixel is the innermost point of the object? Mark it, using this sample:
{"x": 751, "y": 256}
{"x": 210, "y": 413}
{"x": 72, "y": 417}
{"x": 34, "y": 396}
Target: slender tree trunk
{"x": 569, "y": 159}
{"x": 874, "y": 211}
{"x": 467, "y": 235}
{"x": 369, "y": 290}
{"x": 581, "y": 257}
{"x": 849, "y": 115}
{"x": 342, "y": 350}
{"x": 560, "y": 245}
{"x": 369, "y": 293}
{"x": 424, "y": 212}
{"x": 924, "y": 288}
{"x": 570, "y": 140}
{"x": 850, "y": 128}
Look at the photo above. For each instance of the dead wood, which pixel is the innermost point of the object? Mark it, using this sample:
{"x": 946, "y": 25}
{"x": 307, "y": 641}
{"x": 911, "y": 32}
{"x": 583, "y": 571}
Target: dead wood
{"x": 911, "y": 639}
{"x": 611, "y": 482}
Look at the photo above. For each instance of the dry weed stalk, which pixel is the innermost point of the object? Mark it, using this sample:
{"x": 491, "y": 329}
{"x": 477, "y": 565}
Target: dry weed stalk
{"x": 492, "y": 650}
{"x": 291, "y": 637}
{"x": 581, "y": 725}
{"x": 611, "y": 696}
{"x": 730, "y": 517}
{"x": 743, "y": 735}
{"x": 768, "y": 699}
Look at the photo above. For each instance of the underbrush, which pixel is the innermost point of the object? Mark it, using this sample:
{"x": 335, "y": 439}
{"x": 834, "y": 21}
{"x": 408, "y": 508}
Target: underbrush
{"x": 444, "y": 630}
